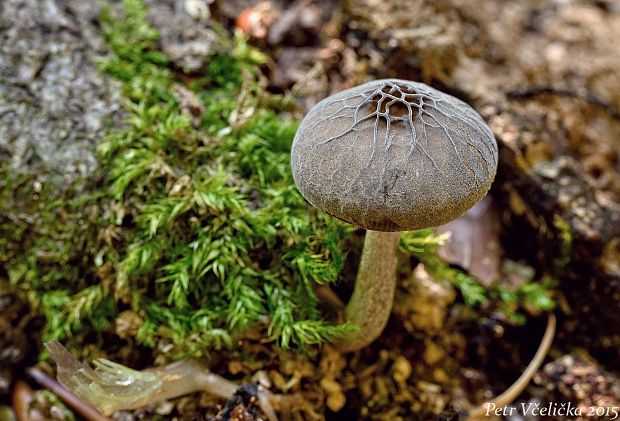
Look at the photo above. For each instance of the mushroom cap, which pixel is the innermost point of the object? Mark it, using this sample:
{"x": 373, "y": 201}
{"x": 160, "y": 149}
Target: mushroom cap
{"x": 393, "y": 155}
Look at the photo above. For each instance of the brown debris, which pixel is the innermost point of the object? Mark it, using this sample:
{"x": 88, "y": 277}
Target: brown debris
{"x": 331, "y": 366}
{"x": 241, "y": 407}
{"x": 255, "y": 21}
{"x": 19, "y": 335}
{"x": 424, "y": 305}
{"x": 190, "y": 105}
{"x": 580, "y": 380}
{"x": 559, "y": 160}
{"x": 417, "y": 40}
{"x": 298, "y": 23}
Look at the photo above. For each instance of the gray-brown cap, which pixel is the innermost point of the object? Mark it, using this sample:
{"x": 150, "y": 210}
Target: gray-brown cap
{"x": 393, "y": 155}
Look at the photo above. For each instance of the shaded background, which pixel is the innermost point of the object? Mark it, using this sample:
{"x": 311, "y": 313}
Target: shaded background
{"x": 544, "y": 75}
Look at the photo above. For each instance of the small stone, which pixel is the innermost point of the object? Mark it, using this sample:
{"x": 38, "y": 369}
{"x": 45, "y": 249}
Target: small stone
{"x": 433, "y": 353}
{"x": 402, "y": 369}
{"x": 278, "y": 380}
{"x": 235, "y": 367}
{"x": 127, "y": 324}
{"x": 440, "y": 376}
{"x": 428, "y": 387}
{"x": 164, "y": 408}
{"x": 335, "y": 398}
{"x": 336, "y": 401}
{"x": 262, "y": 378}
{"x": 330, "y": 385}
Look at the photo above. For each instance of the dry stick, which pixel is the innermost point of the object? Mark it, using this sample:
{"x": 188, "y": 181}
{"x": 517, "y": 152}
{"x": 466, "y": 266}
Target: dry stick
{"x": 22, "y": 398}
{"x": 587, "y": 96}
{"x": 519, "y": 386}
{"x": 87, "y": 412}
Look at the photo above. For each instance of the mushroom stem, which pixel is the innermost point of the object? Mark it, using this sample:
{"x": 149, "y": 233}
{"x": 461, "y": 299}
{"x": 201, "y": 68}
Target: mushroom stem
{"x": 371, "y": 303}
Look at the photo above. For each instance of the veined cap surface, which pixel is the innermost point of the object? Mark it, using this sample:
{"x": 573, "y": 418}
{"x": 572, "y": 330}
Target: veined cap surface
{"x": 393, "y": 155}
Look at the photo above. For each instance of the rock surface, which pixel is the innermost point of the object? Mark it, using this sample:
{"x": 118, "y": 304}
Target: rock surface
{"x": 186, "y": 36}
{"x": 54, "y": 104}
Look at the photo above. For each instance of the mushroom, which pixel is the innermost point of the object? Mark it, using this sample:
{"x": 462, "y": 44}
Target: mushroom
{"x": 390, "y": 155}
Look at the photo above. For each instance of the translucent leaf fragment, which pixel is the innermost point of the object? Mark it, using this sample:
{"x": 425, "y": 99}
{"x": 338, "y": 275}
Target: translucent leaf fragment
{"x": 109, "y": 387}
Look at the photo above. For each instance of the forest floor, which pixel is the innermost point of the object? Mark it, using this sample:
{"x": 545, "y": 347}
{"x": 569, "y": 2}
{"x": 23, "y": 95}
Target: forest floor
{"x": 543, "y": 74}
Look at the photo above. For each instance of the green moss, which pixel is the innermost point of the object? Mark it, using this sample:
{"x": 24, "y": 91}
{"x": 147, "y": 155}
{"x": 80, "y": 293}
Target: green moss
{"x": 531, "y": 298}
{"x": 198, "y": 230}
{"x": 423, "y": 245}
{"x": 217, "y": 238}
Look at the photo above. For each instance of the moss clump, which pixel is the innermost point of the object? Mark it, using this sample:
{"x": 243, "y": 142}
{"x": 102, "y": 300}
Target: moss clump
{"x": 195, "y": 228}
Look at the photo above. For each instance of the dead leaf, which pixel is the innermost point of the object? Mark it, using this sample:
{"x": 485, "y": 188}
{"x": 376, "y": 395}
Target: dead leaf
{"x": 474, "y": 243}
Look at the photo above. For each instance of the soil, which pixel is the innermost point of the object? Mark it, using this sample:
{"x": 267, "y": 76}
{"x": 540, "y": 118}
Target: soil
{"x": 544, "y": 76}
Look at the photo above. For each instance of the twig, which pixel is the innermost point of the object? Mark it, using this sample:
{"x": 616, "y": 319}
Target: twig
{"x": 84, "y": 410}
{"x": 23, "y": 396}
{"x": 526, "y": 93}
{"x": 521, "y": 383}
